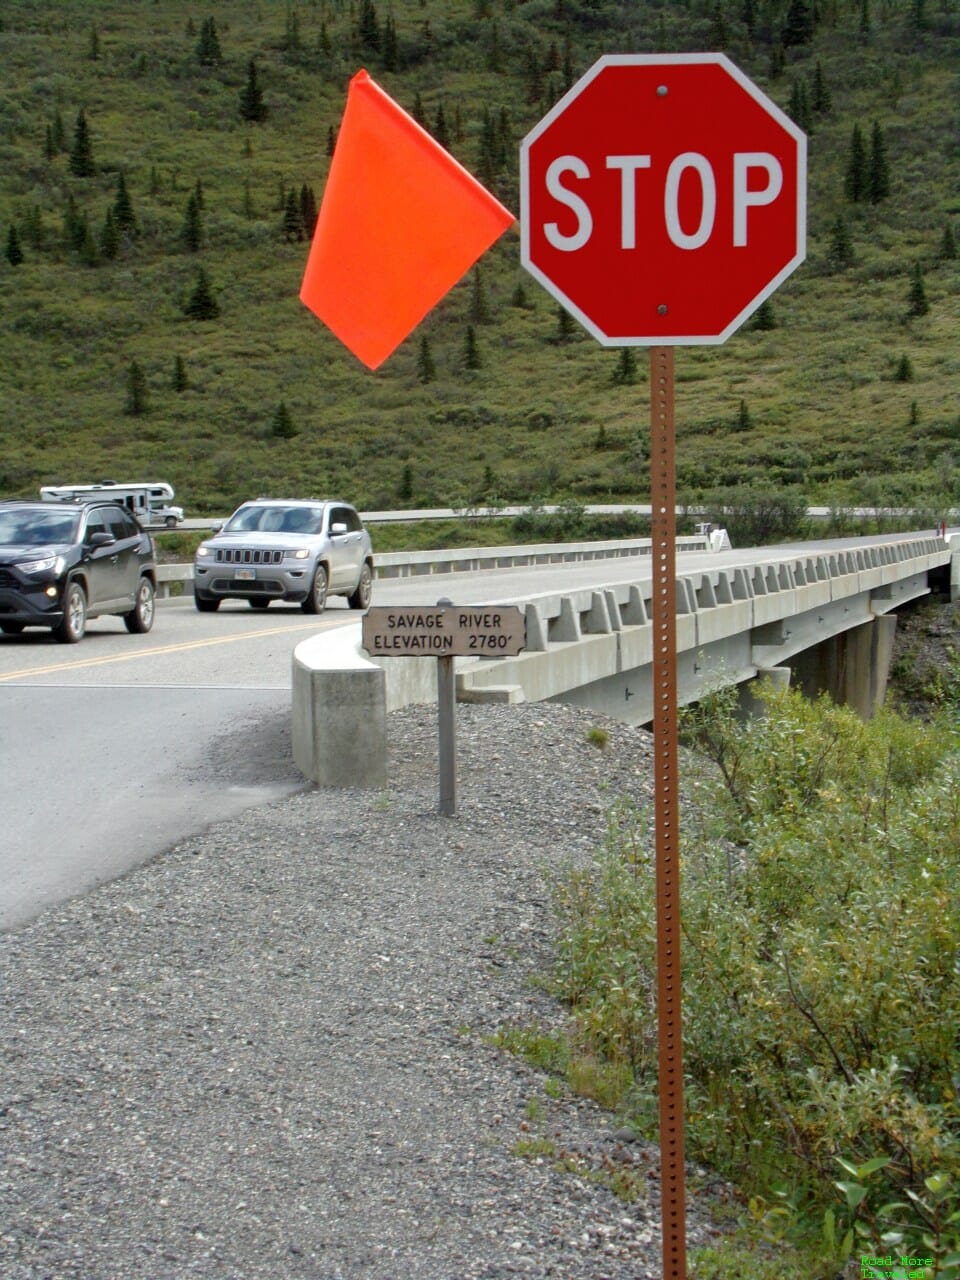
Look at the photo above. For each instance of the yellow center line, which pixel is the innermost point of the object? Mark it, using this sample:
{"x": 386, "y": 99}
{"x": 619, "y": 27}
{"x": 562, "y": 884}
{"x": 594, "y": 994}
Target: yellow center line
{"x": 181, "y": 647}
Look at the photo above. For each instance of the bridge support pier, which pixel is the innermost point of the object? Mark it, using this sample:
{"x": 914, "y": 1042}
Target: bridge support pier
{"x": 851, "y": 667}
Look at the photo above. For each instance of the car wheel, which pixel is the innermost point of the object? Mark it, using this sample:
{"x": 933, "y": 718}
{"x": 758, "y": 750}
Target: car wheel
{"x": 361, "y": 597}
{"x": 206, "y": 604}
{"x": 259, "y": 602}
{"x": 74, "y": 623}
{"x": 140, "y": 618}
{"x": 171, "y": 522}
{"x": 317, "y": 598}
{"x": 12, "y": 628}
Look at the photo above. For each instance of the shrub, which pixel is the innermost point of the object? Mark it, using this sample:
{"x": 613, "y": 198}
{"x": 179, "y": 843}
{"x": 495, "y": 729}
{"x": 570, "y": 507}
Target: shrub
{"x": 821, "y": 964}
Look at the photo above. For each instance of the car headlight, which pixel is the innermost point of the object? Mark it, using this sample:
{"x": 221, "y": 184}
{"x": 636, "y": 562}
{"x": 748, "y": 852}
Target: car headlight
{"x": 301, "y": 553}
{"x": 43, "y": 565}
{"x": 203, "y": 550}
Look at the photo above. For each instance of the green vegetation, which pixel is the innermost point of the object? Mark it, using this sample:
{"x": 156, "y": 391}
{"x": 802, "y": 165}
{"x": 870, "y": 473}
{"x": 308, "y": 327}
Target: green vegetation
{"x": 113, "y": 114}
{"x": 821, "y": 977}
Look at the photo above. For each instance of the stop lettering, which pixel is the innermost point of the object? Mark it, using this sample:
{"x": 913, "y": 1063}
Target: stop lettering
{"x": 663, "y": 198}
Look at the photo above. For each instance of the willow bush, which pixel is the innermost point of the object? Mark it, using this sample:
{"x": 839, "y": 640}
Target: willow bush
{"x": 821, "y": 968}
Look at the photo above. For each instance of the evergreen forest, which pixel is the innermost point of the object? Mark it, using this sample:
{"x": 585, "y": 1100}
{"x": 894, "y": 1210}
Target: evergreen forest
{"x": 161, "y": 167}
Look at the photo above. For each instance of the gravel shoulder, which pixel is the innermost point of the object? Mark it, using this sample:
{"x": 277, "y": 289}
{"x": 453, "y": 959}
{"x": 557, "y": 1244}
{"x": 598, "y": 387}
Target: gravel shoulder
{"x": 267, "y": 1053}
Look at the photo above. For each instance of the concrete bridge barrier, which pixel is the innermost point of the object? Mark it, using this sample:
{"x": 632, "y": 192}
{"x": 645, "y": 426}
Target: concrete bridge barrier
{"x": 825, "y": 618}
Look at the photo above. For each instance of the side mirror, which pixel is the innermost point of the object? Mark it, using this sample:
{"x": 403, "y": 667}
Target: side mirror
{"x": 337, "y": 529}
{"x": 101, "y": 540}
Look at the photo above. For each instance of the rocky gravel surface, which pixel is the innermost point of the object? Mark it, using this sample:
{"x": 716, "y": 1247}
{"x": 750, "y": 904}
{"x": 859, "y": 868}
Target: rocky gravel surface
{"x": 268, "y": 1052}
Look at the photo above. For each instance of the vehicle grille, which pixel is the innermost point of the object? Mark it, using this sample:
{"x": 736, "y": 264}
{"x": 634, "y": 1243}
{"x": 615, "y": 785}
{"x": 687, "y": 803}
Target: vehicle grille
{"x": 262, "y": 587}
{"x": 7, "y": 579}
{"x": 241, "y": 555}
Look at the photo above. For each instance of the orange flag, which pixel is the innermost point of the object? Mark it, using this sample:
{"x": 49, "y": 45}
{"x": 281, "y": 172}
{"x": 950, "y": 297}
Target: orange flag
{"x": 400, "y": 222}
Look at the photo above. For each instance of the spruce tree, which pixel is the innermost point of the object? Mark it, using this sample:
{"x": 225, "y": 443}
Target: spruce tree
{"x": 136, "y": 402}
{"x": 625, "y": 374}
{"x": 93, "y": 47}
{"x": 192, "y": 231}
{"x": 718, "y": 35}
{"x": 904, "y": 370}
{"x": 292, "y": 218}
{"x": 426, "y": 369}
{"x": 878, "y": 179}
{"x": 179, "y": 380}
{"x": 800, "y": 106}
{"x": 919, "y": 306}
{"x": 763, "y": 318}
{"x": 368, "y": 27}
{"x": 202, "y": 305}
{"x": 440, "y": 128}
{"x": 308, "y": 210}
{"x": 74, "y": 225}
{"x": 14, "y": 253}
{"x": 252, "y": 105}
{"x": 291, "y": 35}
{"x": 948, "y": 244}
{"x": 123, "y": 213}
{"x": 820, "y": 100}
{"x": 59, "y": 132}
{"x": 89, "y": 253}
{"x": 81, "y": 153}
{"x": 209, "y": 53}
{"x": 405, "y": 492}
{"x": 798, "y": 25}
{"x": 840, "y": 253}
{"x": 858, "y": 173}
{"x": 479, "y": 309}
{"x": 33, "y": 228}
{"x": 49, "y": 150}
{"x": 281, "y": 424}
{"x": 390, "y": 54}
{"x": 110, "y": 236}
{"x": 743, "y": 421}
{"x": 471, "y": 352}
{"x": 566, "y": 325}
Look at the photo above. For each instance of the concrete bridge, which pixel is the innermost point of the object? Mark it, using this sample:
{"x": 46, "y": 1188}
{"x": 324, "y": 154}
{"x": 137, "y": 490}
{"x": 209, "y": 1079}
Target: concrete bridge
{"x": 819, "y": 615}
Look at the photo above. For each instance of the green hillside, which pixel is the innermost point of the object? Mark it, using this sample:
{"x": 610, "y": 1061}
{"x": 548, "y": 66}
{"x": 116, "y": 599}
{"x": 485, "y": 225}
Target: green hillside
{"x": 852, "y": 396}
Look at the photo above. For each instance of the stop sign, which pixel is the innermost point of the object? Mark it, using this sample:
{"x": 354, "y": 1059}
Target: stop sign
{"x": 663, "y": 198}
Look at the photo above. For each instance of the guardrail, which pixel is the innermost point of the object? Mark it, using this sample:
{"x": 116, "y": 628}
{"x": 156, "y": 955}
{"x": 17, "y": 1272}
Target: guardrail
{"x": 175, "y": 579}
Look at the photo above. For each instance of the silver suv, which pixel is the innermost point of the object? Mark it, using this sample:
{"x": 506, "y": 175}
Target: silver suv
{"x": 286, "y": 550}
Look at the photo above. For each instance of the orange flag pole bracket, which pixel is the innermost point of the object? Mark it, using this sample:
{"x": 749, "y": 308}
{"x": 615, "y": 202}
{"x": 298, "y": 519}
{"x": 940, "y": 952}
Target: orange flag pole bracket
{"x": 400, "y": 222}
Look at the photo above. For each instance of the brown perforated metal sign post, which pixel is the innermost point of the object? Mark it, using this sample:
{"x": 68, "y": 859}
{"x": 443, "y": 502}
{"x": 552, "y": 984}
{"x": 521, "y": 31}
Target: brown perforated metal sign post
{"x": 666, "y": 810}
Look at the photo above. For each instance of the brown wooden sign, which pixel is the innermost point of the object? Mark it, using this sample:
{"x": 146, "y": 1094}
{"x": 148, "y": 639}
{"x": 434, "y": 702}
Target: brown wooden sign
{"x": 444, "y": 631}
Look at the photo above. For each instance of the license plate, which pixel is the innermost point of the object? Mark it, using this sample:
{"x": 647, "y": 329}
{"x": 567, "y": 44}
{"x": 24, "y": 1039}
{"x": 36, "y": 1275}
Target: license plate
{"x": 246, "y": 575}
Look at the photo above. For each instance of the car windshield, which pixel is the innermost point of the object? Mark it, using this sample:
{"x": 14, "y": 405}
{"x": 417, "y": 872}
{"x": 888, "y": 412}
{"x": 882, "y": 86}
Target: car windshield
{"x": 279, "y": 519}
{"x": 32, "y": 528}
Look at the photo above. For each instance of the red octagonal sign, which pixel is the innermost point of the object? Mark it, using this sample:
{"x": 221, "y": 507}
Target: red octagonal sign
{"x": 663, "y": 198}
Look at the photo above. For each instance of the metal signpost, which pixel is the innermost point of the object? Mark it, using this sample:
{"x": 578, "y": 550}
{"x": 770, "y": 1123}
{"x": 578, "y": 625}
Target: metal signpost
{"x": 662, "y": 199}
{"x": 445, "y": 631}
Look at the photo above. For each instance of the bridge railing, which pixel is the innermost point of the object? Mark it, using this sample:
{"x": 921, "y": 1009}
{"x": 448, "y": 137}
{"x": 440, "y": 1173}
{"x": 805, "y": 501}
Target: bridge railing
{"x": 175, "y": 579}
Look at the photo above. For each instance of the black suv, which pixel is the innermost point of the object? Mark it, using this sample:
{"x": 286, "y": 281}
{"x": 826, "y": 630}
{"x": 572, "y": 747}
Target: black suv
{"x": 60, "y": 565}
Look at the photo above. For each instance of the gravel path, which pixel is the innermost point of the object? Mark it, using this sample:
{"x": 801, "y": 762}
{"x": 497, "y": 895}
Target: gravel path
{"x": 267, "y": 1054}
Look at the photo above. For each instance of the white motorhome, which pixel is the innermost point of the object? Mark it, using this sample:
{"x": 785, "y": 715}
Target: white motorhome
{"x": 150, "y": 503}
